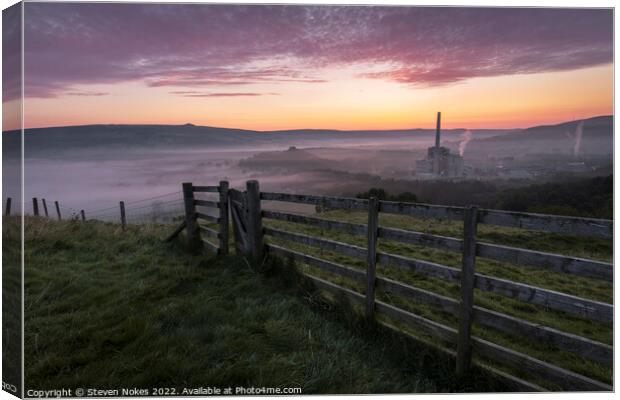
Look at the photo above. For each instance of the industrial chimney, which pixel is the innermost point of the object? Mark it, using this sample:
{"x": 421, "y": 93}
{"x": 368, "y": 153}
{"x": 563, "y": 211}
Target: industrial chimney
{"x": 439, "y": 162}
{"x": 438, "y": 130}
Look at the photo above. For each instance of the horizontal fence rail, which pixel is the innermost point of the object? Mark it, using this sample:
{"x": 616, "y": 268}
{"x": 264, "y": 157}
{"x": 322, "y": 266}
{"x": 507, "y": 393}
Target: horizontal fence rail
{"x": 205, "y": 212}
{"x": 531, "y": 221}
{"x": 353, "y": 229}
{"x": 573, "y": 305}
{"x": 583, "y": 347}
{"x": 566, "y": 379}
{"x": 325, "y": 244}
{"x": 207, "y": 203}
{"x": 480, "y": 316}
{"x": 210, "y": 238}
{"x": 551, "y": 223}
{"x": 330, "y": 202}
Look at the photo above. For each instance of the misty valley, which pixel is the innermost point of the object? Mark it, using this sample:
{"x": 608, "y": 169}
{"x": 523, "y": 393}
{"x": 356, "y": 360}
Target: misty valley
{"x": 90, "y": 167}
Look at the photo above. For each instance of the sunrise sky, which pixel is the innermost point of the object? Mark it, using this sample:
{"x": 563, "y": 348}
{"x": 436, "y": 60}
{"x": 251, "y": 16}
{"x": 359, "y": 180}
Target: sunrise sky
{"x": 284, "y": 67}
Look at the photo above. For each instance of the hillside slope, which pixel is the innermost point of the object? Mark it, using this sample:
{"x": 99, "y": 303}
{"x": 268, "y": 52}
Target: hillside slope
{"x": 597, "y": 135}
{"x": 105, "y": 308}
{"x": 582, "y": 137}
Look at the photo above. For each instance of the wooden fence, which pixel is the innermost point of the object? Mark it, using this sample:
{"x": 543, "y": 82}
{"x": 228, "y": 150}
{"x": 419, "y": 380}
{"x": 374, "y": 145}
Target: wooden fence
{"x": 200, "y": 235}
{"x": 211, "y": 232}
{"x": 460, "y": 339}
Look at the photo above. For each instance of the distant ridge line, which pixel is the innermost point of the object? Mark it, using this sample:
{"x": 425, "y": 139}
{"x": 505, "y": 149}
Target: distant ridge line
{"x": 307, "y": 130}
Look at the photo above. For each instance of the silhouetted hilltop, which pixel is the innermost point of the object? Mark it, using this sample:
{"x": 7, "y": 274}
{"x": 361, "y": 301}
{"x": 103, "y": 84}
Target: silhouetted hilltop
{"x": 581, "y": 137}
{"x": 597, "y": 137}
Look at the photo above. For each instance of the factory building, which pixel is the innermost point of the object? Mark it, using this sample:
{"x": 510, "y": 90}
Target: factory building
{"x": 439, "y": 162}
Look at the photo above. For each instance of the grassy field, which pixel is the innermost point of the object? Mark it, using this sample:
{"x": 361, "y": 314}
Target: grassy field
{"x": 108, "y": 309}
{"x": 11, "y": 304}
{"x": 574, "y": 246}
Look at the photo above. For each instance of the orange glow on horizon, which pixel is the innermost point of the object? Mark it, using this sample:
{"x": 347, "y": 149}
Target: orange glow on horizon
{"x": 345, "y": 101}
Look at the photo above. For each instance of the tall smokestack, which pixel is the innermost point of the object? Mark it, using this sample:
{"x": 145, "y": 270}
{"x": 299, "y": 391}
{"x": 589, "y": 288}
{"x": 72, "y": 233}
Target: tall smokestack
{"x": 438, "y": 131}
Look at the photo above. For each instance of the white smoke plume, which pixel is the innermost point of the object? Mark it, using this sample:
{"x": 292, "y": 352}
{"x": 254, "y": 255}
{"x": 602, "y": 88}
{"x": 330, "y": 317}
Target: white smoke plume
{"x": 465, "y": 138}
{"x": 578, "y": 135}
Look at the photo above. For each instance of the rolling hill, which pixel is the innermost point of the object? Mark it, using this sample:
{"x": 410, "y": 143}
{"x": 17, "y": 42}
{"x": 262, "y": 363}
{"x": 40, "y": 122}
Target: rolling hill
{"x": 597, "y": 137}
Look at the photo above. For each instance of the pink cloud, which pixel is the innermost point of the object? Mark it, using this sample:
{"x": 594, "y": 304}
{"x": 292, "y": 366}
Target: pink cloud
{"x": 196, "y": 45}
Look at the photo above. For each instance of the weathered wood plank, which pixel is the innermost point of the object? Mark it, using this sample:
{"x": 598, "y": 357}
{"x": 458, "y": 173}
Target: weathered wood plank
{"x": 325, "y": 265}
{"x": 238, "y": 214}
{"x": 510, "y": 382}
{"x": 371, "y": 260}
{"x": 329, "y": 202}
{"x": 551, "y": 223}
{"x": 206, "y": 189}
{"x": 177, "y": 231}
{"x": 224, "y": 218}
{"x": 421, "y": 210}
{"x": 332, "y": 245}
{"x": 207, "y": 217}
{"x": 207, "y": 203}
{"x": 336, "y": 289}
{"x": 35, "y": 206}
{"x": 427, "y": 268}
{"x": 210, "y": 246}
{"x": 235, "y": 195}
{"x": 580, "y": 307}
{"x": 466, "y": 307}
{"x": 353, "y": 229}
{"x": 602, "y": 228}
{"x": 446, "y": 304}
{"x": 567, "y": 379}
{"x": 191, "y": 225}
{"x": 213, "y": 234}
{"x": 549, "y": 261}
{"x": 45, "y": 207}
{"x": 444, "y": 333}
{"x": 530, "y": 258}
{"x": 123, "y": 217}
{"x": 564, "y": 378}
{"x": 58, "y": 210}
{"x": 422, "y": 239}
{"x": 581, "y": 346}
{"x": 584, "y": 308}
{"x": 254, "y": 222}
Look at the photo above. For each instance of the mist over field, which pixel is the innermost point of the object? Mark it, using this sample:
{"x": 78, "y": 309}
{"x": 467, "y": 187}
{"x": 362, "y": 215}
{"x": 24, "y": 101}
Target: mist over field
{"x": 90, "y": 167}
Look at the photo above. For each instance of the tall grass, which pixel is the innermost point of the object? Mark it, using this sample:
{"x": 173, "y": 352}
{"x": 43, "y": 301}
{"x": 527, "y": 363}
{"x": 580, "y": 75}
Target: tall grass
{"x": 569, "y": 245}
{"x": 109, "y": 309}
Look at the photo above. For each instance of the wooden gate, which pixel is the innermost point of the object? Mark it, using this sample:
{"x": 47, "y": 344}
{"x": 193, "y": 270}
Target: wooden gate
{"x": 237, "y": 200}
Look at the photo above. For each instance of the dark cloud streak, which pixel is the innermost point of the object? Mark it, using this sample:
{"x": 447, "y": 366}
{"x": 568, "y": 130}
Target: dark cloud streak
{"x": 220, "y": 45}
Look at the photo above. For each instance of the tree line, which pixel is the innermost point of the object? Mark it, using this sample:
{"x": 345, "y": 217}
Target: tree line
{"x": 588, "y": 197}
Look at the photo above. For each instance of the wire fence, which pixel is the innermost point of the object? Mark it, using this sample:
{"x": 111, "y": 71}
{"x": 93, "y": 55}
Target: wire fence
{"x": 159, "y": 209}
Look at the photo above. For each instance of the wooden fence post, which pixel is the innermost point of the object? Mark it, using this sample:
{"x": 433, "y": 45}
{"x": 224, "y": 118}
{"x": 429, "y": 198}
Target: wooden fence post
{"x": 224, "y": 217}
{"x": 466, "y": 306}
{"x": 7, "y": 210}
{"x": 44, "y": 207}
{"x": 58, "y": 210}
{"x": 255, "y": 224}
{"x": 191, "y": 225}
{"x": 123, "y": 218}
{"x": 373, "y": 226}
{"x": 35, "y": 206}
{"x": 83, "y": 216}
